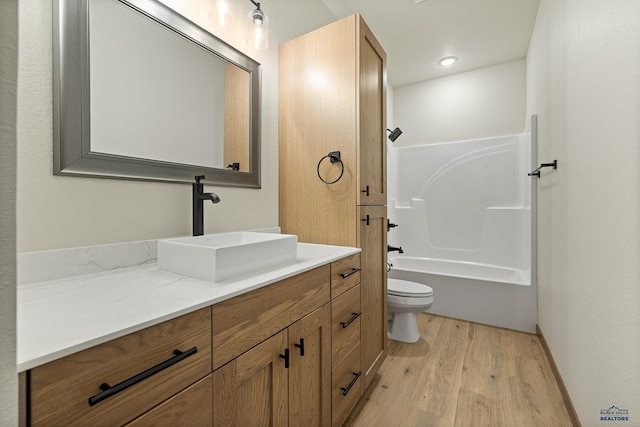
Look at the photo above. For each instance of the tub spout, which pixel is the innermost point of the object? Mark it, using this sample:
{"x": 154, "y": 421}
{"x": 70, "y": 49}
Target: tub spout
{"x": 393, "y": 248}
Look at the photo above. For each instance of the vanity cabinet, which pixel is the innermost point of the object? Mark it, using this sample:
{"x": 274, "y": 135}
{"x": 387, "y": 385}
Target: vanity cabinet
{"x": 288, "y": 353}
{"x": 92, "y": 387}
{"x": 273, "y": 350}
{"x": 282, "y": 381}
{"x": 332, "y": 98}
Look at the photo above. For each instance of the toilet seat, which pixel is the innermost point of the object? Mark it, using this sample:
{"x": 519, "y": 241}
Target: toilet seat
{"x": 404, "y": 288}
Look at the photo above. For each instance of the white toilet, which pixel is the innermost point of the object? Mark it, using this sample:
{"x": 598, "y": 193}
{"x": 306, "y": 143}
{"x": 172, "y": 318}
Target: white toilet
{"x": 404, "y": 301}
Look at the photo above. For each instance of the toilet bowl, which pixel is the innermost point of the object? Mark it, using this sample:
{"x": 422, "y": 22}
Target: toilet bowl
{"x": 404, "y": 301}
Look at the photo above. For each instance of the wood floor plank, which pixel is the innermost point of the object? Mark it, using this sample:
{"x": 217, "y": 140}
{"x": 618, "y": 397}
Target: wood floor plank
{"x": 463, "y": 374}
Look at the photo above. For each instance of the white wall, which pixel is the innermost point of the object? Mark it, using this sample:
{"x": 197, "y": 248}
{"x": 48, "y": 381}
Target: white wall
{"x": 8, "y": 77}
{"x": 61, "y": 212}
{"x": 481, "y": 103}
{"x": 583, "y": 80}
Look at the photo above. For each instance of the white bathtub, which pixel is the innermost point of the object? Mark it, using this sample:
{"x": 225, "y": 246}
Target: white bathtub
{"x": 462, "y": 269}
{"x": 472, "y": 291}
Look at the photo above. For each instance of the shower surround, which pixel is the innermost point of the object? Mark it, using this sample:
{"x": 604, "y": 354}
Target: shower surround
{"x": 464, "y": 211}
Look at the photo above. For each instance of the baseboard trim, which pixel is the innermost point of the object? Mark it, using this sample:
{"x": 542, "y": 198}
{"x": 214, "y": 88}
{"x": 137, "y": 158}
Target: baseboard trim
{"x": 556, "y": 373}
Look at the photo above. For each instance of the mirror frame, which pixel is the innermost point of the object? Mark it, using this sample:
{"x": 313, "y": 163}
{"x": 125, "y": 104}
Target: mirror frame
{"x": 72, "y": 153}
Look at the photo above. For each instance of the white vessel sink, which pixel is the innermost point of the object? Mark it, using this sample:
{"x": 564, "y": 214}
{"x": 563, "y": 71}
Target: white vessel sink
{"x": 217, "y": 257}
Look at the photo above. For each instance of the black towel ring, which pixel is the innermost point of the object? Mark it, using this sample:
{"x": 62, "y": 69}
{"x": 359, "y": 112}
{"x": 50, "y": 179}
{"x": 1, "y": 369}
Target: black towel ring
{"x": 333, "y": 157}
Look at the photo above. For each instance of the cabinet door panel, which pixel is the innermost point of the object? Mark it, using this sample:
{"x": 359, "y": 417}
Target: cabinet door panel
{"x": 346, "y": 386}
{"x": 372, "y": 121}
{"x": 251, "y": 390}
{"x": 344, "y": 274}
{"x": 345, "y": 326}
{"x": 310, "y": 374}
{"x": 373, "y": 287}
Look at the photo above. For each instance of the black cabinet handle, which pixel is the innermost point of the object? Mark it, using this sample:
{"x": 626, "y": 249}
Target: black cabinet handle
{"x": 108, "y": 391}
{"x": 366, "y": 219}
{"x": 366, "y": 190}
{"x": 300, "y": 346}
{"x": 345, "y": 390}
{"x": 285, "y": 356}
{"x": 348, "y": 322}
{"x": 353, "y": 271}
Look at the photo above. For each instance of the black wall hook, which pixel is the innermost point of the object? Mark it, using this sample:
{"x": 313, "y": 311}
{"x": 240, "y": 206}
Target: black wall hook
{"x": 536, "y": 172}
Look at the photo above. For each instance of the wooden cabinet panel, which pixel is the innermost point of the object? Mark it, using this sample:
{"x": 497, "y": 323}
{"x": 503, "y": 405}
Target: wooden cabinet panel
{"x": 346, "y": 387}
{"x": 190, "y": 407}
{"x": 246, "y": 320}
{"x": 60, "y": 390}
{"x": 345, "y": 323}
{"x": 372, "y": 119}
{"x": 317, "y": 114}
{"x": 344, "y": 267}
{"x": 251, "y": 390}
{"x": 350, "y": 118}
{"x": 310, "y": 370}
{"x": 373, "y": 288}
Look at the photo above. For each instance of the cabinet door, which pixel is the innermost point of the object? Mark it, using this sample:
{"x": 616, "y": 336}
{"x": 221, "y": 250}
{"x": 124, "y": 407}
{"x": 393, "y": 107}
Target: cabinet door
{"x": 372, "y": 119}
{"x": 251, "y": 390}
{"x": 310, "y": 370}
{"x": 372, "y": 238}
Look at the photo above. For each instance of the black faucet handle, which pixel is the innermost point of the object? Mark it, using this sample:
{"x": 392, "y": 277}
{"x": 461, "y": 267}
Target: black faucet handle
{"x": 198, "y": 178}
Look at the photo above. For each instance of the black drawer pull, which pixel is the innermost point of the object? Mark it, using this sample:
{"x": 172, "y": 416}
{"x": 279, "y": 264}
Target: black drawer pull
{"x": 285, "y": 356}
{"x": 345, "y": 390}
{"x": 353, "y": 271}
{"x": 108, "y": 391}
{"x": 348, "y": 322}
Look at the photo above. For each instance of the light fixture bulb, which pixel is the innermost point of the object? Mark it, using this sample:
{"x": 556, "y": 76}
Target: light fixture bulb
{"x": 258, "y": 37}
{"x": 257, "y": 17}
{"x": 447, "y": 61}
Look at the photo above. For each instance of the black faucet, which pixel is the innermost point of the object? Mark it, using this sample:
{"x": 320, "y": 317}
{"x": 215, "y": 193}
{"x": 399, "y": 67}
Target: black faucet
{"x": 393, "y": 248}
{"x": 198, "y": 209}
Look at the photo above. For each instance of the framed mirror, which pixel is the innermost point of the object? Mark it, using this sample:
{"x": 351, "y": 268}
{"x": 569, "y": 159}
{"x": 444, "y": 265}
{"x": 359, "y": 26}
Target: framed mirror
{"x": 141, "y": 92}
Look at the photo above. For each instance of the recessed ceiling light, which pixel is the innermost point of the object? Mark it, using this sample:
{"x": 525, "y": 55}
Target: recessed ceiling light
{"x": 448, "y": 61}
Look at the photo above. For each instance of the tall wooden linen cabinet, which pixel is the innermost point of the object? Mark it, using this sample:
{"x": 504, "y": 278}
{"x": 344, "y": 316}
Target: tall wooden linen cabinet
{"x": 332, "y": 98}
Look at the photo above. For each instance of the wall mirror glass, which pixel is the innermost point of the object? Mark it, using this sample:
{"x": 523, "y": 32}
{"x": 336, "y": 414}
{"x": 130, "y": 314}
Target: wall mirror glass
{"x": 141, "y": 92}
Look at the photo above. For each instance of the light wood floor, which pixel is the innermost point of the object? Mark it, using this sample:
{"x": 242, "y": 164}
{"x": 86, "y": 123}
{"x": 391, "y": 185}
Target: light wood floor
{"x": 463, "y": 374}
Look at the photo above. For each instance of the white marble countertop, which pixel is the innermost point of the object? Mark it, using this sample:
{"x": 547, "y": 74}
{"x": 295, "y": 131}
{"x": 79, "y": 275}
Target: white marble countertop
{"x": 61, "y": 317}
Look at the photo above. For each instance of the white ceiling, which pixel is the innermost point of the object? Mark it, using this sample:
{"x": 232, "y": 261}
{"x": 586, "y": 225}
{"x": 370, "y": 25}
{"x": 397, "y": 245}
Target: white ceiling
{"x": 416, "y": 34}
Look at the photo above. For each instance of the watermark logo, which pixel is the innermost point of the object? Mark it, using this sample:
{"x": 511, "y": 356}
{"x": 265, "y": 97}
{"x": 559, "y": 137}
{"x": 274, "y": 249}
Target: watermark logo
{"x": 614, "y": 414}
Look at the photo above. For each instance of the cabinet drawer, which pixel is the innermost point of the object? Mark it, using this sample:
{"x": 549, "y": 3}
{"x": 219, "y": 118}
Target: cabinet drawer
{"x": 190, "y": 407}
{"x": 61, "y": 390}
{"x": 345, "y": 386}
{"x": 345, "y": 323}
{"x": 345, "y": 274}
{"x": 246, "y": 320}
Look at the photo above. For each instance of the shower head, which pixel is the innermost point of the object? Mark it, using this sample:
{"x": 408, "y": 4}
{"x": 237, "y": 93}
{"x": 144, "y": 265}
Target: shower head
{"x": 394, "y": 134}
